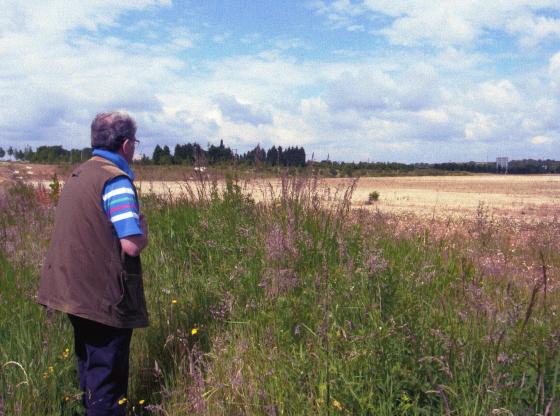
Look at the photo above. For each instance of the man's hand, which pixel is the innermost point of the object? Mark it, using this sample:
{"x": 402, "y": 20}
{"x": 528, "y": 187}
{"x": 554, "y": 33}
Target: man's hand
{"x": 134, "y": 244}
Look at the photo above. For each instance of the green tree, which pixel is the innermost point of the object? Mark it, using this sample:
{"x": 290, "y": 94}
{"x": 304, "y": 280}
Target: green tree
{"x": 187, "y": 153}
{"x": 52, "y": 154}
{"x": 294, "y": 156}
{"x": 219, "y": 154}
{"x": 2, "y": 153}
{"x": 255, "y": 156}
{"x": 157, "y": 154}
{"x": 165, "y": 158}
{"x": 28, "y": 154}
{"x": 272, "y": 156}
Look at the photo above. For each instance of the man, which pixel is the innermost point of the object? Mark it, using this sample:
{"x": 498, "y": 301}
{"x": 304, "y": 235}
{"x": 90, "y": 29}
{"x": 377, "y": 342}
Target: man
{"x": 92, "y": 270}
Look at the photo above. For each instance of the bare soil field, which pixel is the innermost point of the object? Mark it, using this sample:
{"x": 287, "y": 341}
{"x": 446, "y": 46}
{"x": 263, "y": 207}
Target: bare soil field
{"x": 14, "y": 171}
{"x": 527, "y": 197}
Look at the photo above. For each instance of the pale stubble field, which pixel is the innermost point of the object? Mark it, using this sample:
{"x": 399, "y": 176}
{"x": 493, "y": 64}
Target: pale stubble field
{"x": 526, "y": 197}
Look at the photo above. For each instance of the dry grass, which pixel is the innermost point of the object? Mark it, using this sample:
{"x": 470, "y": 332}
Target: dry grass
{"x": 530, "y": 197}
{"x": 527, "y": 197}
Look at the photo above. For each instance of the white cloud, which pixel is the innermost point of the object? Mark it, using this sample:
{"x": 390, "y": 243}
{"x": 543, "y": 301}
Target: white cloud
{"x": 241, "y": 112}
{"x": 182, "y": 39}
{"x": 338, "y": 13}
{"x": 286, "y": 43}
{"x": 438, "y": 26}
{"x": 55, "y": 17}
{"x": 496, "y": 96}
{"x": 446, "y": 23}
{"x": 398, "y": 104}
{"x": 371, "y": 89}
{"x": 538, "y": 140}
{"x": 533, "y": 29}
{"x": 251, "y": 38}
{"x": 383, "y": 105}
{"x": 481, "y": 127}
{"x": 554, "y": 69}
{"x": 355, "y": 28}
{"x": 434, "y": 115}
{"x": 52, "y": 82}
{"x": 221, "y": 38}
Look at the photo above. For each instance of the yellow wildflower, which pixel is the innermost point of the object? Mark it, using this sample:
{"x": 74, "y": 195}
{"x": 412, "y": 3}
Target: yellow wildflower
{"x": 337, "y": 404}
{"x": 51, "y": 369}
{"x": 66, "y": 353}
{"x": 174, "y": 301}
{"x": 66, "y": 398}
{"x": 142, "y": 401}
{"x": 122, "y": 401}
{"x": 194, "y": 331}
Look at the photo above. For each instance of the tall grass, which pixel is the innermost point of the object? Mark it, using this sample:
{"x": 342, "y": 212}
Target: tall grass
{"x": 298, "y": 305}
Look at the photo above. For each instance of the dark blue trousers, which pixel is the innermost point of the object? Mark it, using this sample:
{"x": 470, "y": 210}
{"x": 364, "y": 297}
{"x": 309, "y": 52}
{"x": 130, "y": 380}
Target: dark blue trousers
{"x": 102, "y": 353}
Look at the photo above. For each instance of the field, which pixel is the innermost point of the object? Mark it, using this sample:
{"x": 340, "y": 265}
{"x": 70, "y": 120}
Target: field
{"x": 526, "y": 197}
{"x": 298, "y": 297}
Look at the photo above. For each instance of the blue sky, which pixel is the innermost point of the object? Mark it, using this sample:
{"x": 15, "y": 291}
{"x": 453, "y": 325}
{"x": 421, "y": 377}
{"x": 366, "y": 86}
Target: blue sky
{"x": 354, "y": 80}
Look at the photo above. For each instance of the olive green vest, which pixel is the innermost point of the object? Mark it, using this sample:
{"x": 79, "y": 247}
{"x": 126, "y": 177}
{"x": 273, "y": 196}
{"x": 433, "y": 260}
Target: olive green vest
{"x": 85, "y": 272}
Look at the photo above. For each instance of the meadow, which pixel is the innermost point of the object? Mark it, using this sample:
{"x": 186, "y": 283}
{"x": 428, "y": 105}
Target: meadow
{"x": 304, "y": 300}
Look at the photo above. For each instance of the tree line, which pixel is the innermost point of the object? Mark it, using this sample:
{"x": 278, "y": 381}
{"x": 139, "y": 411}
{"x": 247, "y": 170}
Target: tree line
{"x": 193, "y": 154}
{"x": 47, "y": 154}
{"x": 183, "y": 154}
{"x": 523, "y": 166}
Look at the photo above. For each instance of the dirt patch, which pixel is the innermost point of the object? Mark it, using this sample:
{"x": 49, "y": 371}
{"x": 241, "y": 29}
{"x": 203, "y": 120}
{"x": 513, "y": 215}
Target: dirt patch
{"x": 13, "y": 171}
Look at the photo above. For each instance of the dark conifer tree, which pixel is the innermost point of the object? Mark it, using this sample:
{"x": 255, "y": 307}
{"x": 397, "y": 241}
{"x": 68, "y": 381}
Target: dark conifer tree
{"x": 166, "y": 158}
{"x": 281, "y": 158}
{"x": 157, "y": 154}
{"x": 272, "y": 156}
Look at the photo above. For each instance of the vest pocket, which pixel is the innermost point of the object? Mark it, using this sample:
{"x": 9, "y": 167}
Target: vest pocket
{"x": 131, "y": 302}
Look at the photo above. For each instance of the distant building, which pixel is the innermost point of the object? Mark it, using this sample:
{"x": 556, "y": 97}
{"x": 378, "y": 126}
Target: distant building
{"x": 502, "y": 164}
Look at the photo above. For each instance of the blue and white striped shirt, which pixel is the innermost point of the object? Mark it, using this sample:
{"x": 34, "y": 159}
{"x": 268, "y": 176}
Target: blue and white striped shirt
{"x": 119, "y": 200}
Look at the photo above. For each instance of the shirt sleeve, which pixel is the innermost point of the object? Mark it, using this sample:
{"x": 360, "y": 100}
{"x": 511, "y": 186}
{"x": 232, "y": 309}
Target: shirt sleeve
{"x": 121, "y": 206}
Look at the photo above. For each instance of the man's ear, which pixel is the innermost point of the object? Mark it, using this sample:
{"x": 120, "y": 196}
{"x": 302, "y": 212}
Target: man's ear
{"x": 125, "y": 145}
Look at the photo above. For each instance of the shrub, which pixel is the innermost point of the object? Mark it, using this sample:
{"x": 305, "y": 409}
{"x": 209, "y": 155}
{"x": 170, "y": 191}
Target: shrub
{"x": 373, "y": 196}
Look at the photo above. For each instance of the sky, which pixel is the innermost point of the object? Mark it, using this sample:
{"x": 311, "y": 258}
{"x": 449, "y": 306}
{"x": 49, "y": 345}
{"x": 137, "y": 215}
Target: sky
{"x": 349, "y": 80}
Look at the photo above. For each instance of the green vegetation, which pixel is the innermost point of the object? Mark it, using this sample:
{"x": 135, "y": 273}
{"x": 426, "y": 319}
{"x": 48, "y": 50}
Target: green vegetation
{"x": 301, "y": 306}
{"x": 275, "y": 158}
{"x": 524, "y": 166}
{"x": 50, "y": 154}
{"x": 373, "y": 196}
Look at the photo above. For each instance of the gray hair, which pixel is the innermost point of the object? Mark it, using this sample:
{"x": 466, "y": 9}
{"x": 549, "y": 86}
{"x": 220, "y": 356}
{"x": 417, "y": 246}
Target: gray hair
{"x": 109, "y": 130}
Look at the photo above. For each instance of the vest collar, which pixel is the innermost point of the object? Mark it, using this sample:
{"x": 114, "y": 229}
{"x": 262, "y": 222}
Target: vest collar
{"x": 116, "y": 159}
